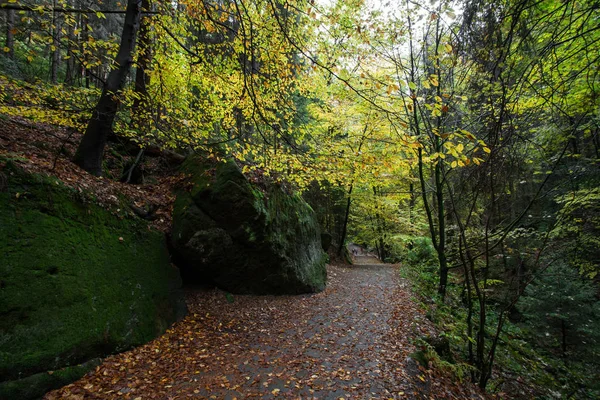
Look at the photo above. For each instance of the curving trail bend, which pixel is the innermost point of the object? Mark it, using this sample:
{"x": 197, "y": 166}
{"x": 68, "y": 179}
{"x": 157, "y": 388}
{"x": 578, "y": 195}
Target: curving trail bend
{"x": 351, "y": 341}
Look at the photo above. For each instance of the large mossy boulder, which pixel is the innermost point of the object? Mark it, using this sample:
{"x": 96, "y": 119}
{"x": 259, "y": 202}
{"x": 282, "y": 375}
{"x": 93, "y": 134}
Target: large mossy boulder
{"x": 244, "y": 239}
{"x": 77, "y": 282}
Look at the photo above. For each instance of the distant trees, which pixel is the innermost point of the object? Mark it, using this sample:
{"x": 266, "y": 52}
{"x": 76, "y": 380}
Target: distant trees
{"x": 564, "y": 312}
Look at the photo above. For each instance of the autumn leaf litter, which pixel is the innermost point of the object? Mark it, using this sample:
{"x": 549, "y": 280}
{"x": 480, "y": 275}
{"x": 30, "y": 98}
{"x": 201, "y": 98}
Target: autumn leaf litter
{"x": 351, "y": 341}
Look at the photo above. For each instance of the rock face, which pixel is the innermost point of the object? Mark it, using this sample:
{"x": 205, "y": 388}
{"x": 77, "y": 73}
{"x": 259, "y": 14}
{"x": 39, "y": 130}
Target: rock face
{"x": 244, "y": 240}
{"x": 76, "y": 283}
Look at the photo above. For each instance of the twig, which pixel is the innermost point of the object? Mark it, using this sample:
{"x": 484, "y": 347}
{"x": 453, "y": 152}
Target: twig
{"x": 135, "y": 164}
{"x": 62, "y": 148}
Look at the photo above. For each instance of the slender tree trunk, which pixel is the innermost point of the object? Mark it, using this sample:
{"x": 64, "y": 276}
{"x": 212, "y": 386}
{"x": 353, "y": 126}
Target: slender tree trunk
{"x": 70, "y": 71}
{"x": 347, "y": 213}
{"x": 71, "y": 45}
{"x": 440, "y": 177}
{"x": 10, "y": 35}
{"x": 380, "y": 227}
{"x": 482, "y": 365}
{"x": 411, "y": 202}
{"x": 345, "y": 224}
{"x": 90, "y": 152}
{"x": 56, "y": 35}
{"x": 84, "y": 39}
{"x": 142, "y": 79}
{"x": 382, "y": 250}
{"x": 469, "y": 306}
{"x": 441, "y": 219}
{"x": 438, "y": 237}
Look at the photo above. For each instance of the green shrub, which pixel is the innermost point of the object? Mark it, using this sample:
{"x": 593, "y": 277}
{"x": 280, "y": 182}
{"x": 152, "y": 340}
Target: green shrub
{"x": 420, "y": 251}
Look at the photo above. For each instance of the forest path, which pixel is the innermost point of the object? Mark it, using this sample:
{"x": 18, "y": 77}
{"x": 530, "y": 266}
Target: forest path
{"x": 350, "y": 341}
{"x": 367, "y": 260}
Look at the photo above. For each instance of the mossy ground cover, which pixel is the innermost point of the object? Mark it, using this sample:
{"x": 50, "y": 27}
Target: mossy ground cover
{"x": 76, "y": 280}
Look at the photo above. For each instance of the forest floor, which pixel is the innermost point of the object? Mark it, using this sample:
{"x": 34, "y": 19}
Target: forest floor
{"x": 48, "y": 149}
{"x": 350, "y": 341}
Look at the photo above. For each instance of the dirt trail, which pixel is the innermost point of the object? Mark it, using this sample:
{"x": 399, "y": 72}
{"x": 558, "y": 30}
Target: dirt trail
{"x": 349, "y": 341}
{"x": 366, "y": 260}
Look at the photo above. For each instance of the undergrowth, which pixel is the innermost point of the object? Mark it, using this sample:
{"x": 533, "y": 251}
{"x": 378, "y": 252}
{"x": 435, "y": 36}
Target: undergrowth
{"x": 521, "y": 369}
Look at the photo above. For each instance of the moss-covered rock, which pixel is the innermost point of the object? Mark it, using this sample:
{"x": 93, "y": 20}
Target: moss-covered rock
{"x": 76, "y": 283}
{"x": 36, "y": 385}
{"x": 227, "y": 231}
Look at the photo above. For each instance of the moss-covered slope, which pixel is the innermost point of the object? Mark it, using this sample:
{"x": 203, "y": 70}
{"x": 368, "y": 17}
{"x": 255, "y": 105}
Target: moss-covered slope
{"x": 76, "y": 282}
{"x": 243, "y": 239}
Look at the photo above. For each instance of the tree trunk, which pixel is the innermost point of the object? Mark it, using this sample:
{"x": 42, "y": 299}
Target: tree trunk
{"x": 71, "y": 45}
{"x": 10, "y": 36}
{"x": 441, "y": 247}
{"x": 90, "y": 152}
{"x": 411, "y": 203}
{"x": 438, "y": 237}
{"x": 56, "y": 34}
{"x": 142, "y": 79}
{"x": 84, "y": 39}
{"x": 345, "y": 225}
{"x": 379, "y": 225}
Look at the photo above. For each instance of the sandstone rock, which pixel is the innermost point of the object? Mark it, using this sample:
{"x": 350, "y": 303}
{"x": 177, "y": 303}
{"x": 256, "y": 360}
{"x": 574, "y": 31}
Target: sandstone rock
{"x": 77, "y": 282}
{"x": 245, "y": 240}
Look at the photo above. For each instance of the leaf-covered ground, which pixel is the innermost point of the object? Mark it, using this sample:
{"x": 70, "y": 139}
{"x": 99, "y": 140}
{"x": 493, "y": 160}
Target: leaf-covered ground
{"x": 351, "y": 341}
{"x": 48, "y": 149}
